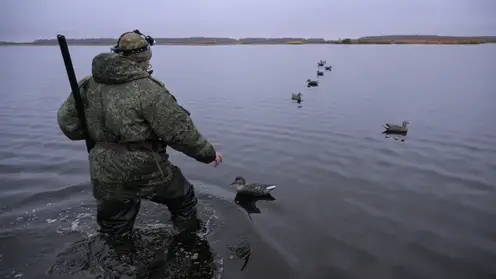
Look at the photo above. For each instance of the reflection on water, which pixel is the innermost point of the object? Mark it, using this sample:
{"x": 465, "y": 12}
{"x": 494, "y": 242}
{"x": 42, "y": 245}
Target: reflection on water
{"x": 400, "y": 137}
{"x": 249, "y": 203}
{"x": 242, "y": 251}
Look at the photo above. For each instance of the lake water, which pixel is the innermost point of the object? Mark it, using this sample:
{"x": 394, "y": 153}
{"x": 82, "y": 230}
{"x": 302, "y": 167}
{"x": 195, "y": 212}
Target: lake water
{"x": 350, "y": 202}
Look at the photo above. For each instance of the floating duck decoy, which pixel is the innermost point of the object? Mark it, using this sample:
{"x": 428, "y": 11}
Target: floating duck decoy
{"x": 311, "y": 83}
{"x": 396, "y": 129}
{"x": 252, "y": 189}
{"x": 319, "y": 73}
{"x": 296, "y": 96}
{"x": 328, "y": 68}
{"x": 320, "y": 64}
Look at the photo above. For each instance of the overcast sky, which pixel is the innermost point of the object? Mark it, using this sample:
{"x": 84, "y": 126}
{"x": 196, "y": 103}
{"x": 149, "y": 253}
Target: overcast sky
{"x": 27, "y": 20}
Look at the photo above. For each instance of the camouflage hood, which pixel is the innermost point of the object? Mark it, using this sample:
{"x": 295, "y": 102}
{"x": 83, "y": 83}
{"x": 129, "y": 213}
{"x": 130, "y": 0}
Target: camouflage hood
{"x": 111, "y": 68}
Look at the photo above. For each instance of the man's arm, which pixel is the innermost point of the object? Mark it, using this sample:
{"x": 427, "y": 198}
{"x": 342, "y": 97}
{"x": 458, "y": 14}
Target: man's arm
{"x": 173, "y": 125}
{"x": 67, "y": 117}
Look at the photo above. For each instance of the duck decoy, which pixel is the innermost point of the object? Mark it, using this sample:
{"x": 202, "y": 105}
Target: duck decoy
{"x": 319, "y": 73}
{"x": 311, "y": 83}
{"x": 396, "y": 129}
{"x": 252, "y": 189}
{"x": 296, "y": 96}
{"x": 328, "y": 68}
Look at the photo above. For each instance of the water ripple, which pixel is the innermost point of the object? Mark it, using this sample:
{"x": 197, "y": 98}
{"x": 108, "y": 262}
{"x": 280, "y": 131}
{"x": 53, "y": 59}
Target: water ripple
{"x": 349, "y": 203}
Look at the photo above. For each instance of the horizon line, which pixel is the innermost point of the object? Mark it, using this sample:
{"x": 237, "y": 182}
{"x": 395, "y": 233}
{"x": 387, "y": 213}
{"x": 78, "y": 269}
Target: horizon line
{"x": 240, "y": 38}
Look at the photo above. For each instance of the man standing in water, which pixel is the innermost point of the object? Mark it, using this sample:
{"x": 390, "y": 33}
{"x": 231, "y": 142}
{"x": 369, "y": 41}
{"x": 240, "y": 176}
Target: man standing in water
{"x": 132, "y": 118}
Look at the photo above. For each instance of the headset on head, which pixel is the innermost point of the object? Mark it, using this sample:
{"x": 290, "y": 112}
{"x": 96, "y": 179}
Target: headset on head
{"x": 150, "y": 42}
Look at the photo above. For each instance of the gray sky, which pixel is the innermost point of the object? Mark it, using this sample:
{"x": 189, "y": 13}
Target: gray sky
{"x": 27, "y": 20}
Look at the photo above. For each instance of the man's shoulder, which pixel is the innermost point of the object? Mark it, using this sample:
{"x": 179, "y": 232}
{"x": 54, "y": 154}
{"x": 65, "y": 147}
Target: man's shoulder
{"x": 82, "y": 83}
{"x": 151, "y": 84}
{"x": 157, "y": 81}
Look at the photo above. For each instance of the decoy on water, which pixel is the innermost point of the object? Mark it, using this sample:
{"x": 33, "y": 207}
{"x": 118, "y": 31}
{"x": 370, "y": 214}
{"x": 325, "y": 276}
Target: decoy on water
{"x": 320, "y": 64}
{"x": 311, "y": 83}
{"x": 328, "y": 68}
{"x": 252, "y": 189}
{"x": 319, "y": 73}
{"x": 296, "y": 96}
{"x": 396, "y": 129}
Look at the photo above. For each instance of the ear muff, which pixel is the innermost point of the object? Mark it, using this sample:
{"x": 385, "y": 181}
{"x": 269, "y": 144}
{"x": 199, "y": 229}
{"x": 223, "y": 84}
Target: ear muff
{"x": 150, "y": 42}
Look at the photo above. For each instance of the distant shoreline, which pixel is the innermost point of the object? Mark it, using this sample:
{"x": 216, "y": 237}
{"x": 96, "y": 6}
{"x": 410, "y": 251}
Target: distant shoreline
{"x": 209, "y": 41}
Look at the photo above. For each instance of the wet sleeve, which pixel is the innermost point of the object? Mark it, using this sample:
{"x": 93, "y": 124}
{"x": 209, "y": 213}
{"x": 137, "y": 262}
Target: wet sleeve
{"x": 173, "y": 124}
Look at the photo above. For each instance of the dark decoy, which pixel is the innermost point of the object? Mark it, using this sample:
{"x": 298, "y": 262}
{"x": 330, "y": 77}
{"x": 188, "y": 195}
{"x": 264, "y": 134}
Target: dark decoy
{"x": 328, "y": 68}
{"x": 296, "y": 97}
{"x": 252, "y": 189}
{"x": 319, "y": 73}
{"x": 396, "y": 129}
{"x": 311, "y": 83}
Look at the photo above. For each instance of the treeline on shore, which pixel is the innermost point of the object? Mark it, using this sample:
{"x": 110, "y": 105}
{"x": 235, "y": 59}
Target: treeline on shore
{"x": 389, "y": 39}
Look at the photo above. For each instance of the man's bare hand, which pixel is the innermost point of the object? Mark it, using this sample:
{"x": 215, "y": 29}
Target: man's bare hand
{"x": 218, "y": 159}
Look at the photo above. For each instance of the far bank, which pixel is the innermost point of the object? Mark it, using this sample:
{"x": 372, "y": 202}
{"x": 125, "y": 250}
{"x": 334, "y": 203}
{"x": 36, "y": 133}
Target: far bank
{"x": 209, "y": 41}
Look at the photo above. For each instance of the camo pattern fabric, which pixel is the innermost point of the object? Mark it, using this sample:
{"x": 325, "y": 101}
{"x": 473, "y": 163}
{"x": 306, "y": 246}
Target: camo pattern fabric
{"x": 123, "y": 103}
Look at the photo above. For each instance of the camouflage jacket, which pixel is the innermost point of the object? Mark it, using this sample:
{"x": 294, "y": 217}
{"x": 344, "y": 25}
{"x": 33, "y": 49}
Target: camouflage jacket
{"x": 124, "y": 103}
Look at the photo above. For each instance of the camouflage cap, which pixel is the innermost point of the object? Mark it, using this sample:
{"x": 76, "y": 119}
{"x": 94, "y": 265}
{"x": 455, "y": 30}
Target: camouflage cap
{"x": 131, "y": 40}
